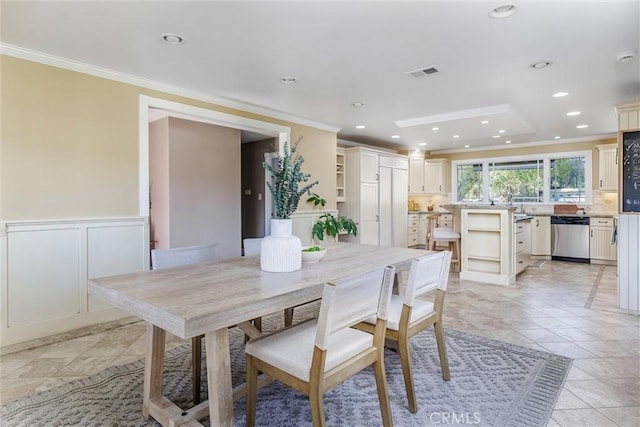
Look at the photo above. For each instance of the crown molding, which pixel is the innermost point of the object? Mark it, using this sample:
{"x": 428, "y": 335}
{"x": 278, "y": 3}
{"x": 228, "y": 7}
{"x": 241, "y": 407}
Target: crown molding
{"x": 105, "y": 73}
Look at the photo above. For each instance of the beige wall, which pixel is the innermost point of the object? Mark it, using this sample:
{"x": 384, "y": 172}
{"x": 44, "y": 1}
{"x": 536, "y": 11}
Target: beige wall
{"x": 70, "y": 144}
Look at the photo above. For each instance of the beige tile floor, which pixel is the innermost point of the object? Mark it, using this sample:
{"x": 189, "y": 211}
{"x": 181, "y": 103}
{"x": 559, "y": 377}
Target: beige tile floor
{"x": 565, "y": 308}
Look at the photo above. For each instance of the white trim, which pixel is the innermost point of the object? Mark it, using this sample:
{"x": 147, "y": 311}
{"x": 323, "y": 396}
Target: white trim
{"x": 105, "y": 73}
{"x": 176, "y": 109}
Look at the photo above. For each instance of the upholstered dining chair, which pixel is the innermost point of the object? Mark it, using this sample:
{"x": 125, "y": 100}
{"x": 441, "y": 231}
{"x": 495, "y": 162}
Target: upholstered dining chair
{"x": 178, "y": 257}
{"x": 314, "y": 356}
{"x": 409, "y": 315}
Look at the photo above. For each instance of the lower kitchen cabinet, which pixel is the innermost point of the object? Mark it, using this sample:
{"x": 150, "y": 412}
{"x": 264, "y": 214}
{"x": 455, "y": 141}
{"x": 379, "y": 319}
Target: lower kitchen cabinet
{"x": 541, "y": 236}
{"x": 522, "y": 247}
{"x": 413, "y": 230}
{"x": 601, "y": 251}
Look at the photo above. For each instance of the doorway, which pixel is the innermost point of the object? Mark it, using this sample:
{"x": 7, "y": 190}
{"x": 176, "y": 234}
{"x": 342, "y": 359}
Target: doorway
{"x": 266, "y": 136}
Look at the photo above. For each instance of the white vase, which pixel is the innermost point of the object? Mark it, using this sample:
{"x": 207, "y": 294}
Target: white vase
{"x": 281, "y": 252}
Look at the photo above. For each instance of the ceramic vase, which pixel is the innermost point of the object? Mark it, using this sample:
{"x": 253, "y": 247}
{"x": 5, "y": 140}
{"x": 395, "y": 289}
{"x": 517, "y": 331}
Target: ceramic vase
{"x": 281, "y": 252}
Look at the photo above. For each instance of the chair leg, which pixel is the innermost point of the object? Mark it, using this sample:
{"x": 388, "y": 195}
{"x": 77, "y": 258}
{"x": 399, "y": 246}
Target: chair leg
{"x": 288, "y": 316}
{"x": 442, "y": 350}
{"x": 252, "y": 390}
{"x": 383, "y": 393}
{"x": 196, "y": 357}
{"x": 317, "y": 406}
{"x": 405, "y": 360}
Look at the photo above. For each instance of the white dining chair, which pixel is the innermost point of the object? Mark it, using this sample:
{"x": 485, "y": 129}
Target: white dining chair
{"x": 409, "y": 315}
{"x": 314, "y": 356}
{"x": 178, "y": 257}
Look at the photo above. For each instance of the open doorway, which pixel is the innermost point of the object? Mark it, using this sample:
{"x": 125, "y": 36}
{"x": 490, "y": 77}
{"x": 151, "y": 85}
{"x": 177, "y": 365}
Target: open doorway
{"x": 266, "y": 137}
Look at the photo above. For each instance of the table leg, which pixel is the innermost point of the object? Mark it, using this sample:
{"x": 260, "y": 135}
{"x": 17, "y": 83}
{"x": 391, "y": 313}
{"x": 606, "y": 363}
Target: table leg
{"x": 219, "y": 378}
{"x": 153, "y": 366}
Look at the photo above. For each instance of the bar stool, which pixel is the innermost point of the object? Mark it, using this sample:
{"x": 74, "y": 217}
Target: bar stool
{"x": 443, "y": 235}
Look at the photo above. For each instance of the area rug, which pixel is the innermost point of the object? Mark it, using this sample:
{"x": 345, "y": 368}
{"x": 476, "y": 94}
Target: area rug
{"x": 493, "y": 383}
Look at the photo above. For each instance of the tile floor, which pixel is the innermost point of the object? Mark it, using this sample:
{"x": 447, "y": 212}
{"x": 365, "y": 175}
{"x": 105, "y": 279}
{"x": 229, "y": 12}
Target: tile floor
{"x": 565, "y": 308}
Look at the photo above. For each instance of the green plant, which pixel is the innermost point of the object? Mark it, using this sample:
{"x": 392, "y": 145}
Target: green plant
{"x": 329, "y": 224}
{"x": 287, "y": 177}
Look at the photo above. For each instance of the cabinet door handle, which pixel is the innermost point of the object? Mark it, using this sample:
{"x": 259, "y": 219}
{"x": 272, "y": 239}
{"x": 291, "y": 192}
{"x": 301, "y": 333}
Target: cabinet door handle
{"x": 600, "y": 183}
{"x": 423, "y": 188}
{"x": 377, "y": 218}
{"x": 520, "y": 262}
{"x": 591, "y": 233}
{"x": 440, "y": 188}
{"x": 537, "y": 223}
{"x": 520, "y": 243}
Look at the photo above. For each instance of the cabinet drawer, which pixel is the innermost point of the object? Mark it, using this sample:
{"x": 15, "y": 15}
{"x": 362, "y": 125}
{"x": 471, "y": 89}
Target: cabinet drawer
{"x": 601, "y": 222}
{"x": 413, "y": 223}
{"x": 523, "y": 259}
{"x": 413, "y": 230}
{"x": 413, "y": 217}
{"x": 445, "y": 224}
{"x": 412, "y": 240}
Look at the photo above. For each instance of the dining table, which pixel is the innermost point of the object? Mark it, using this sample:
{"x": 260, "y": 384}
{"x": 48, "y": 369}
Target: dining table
{"x": 208, "y": 298}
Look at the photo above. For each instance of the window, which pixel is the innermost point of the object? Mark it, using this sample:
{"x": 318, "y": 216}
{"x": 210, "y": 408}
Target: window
{"x": 546, "y": 178}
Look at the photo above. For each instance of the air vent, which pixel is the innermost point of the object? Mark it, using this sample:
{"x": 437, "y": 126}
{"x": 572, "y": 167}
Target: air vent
{"x": 423, "y": 72}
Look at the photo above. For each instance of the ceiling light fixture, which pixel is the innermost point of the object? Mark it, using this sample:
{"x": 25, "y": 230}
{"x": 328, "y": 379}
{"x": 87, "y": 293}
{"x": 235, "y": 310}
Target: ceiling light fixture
{"x": 501, "y": 131}
{"x": 288, "y": 80}
{"x": 171, "y": 38}
{"x": 625, "y": 56}
{"x": 507, "y": 142}
{"x": 540, "y": 65}
{"x": 556, "y": 137}
{"x": 422, "y": 144}
{"x": 484, "y": 122}
{"x": 497, "y": 136}
{"x": 573, "y": 113}
{"x": 395, "y": 136}
{"x": 503, "y": 11}
{"x": 456, "y": 136}
{"x": 582, "y": 126}
{"x": 357, "y": 104}
{"x": 435, "y": 128}
{"x": 360, "y": 127}
{"x": 560, "y": 94}
{"x": 467, "y": 146}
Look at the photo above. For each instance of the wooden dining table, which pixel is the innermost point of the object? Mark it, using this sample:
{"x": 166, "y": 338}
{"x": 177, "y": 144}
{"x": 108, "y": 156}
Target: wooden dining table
{"x": 206, "y": 299}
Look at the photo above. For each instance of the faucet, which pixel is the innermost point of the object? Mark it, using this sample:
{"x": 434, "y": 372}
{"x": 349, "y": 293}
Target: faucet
{"x": 510, "y": 199}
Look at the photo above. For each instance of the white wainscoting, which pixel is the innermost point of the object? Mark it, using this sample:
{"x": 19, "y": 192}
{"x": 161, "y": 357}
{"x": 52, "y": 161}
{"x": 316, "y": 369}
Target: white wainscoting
{"x": 629, "y": 263}
{"x": 45, "y": 266}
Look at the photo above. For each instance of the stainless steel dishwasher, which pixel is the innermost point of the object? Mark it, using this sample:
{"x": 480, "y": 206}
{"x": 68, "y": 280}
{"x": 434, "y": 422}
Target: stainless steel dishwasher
{"x": 570, "y": 238}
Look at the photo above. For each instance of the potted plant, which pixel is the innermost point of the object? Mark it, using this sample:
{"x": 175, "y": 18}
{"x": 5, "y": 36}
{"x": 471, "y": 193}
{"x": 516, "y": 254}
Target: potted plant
{"x": 329, "y": 224}
{"x": 281, "y": 251}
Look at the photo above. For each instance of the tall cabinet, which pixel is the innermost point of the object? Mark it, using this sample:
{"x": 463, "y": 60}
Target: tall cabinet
{"x": 377, "y": 186}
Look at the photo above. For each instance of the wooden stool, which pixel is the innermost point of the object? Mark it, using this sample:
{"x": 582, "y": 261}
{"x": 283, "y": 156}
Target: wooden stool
{"x": 446, "y": 235}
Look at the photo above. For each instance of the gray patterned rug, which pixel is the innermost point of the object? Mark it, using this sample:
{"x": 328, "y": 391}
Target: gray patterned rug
{"x": 492, "y": 384}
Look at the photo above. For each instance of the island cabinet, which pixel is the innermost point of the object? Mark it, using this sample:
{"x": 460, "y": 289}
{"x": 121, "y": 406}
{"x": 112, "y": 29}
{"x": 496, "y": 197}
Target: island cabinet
{"x": 522, "y": 245}
{"x": 487, "y": 246}
{"x": 541, "y": 237}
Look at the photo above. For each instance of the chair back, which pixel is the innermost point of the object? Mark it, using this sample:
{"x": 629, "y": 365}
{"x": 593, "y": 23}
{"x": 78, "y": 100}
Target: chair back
{"x": 427, "y": 273}
{"x": 252, "y": 246}
{"x": 177, "y": 257}
{"x": 353, "y": 299}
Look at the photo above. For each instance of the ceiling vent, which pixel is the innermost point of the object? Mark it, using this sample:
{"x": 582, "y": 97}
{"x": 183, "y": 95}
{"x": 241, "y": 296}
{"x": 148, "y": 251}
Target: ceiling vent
{"x": 423, "y": 72}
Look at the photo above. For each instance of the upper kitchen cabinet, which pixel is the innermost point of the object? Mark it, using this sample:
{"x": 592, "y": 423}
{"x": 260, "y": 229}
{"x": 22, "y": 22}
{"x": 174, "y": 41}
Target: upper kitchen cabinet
{"x": 608, "y": 167}
{"x": 436, "y": 176}
{"x": 428, "y": 176}
{"x": 416, "y": 175}
{"x": 340, "y": 193}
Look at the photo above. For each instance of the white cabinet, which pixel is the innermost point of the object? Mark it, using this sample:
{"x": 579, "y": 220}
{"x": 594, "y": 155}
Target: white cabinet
{"x": 541, "y": 236}
{"x": 522, "y": 245}
{"x": 416, "y": 175}
{"x": 608, "y": 167}
{"x": 376, "y": 183}
{"x": 340, "y": 183}
{"x": 413, "y": 230}
{"x": 487, "y": 249}
{"x": 436, "y": 176}
{"x": 601, "y": 251}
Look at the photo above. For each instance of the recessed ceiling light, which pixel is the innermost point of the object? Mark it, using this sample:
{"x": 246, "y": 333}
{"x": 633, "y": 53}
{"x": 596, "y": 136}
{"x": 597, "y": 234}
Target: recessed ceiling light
{"x": 357, "y": 104}
{"x": 360, "y": 127}
{"x": 484, "y": 122}
{"x": 560, "y": 94}
{"x": 507, "y": 142}
{"x": 288, "y": 80}
{"x": 395, "y": 136}
{"x": 497, "y": 136}
{"x": 456, "y": 136}
{"x": 422, "y": 144}
{"x": 556, "y": 137}
{"x": 625, "y": 56}
{"x": 467, "y": 146}
{"x": 573, "y": 113}
{"x": 503, "y": 11}
{"x": 540, "y": 65}
{"x": 171, "y": 38}
{"x": 582, "y": 126}
{"x": 501, "y": 131}
{"x": 436, "y": 128}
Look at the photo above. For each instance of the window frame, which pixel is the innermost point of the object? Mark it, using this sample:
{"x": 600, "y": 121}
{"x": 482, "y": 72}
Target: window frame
{"x": 546, "y": 188}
